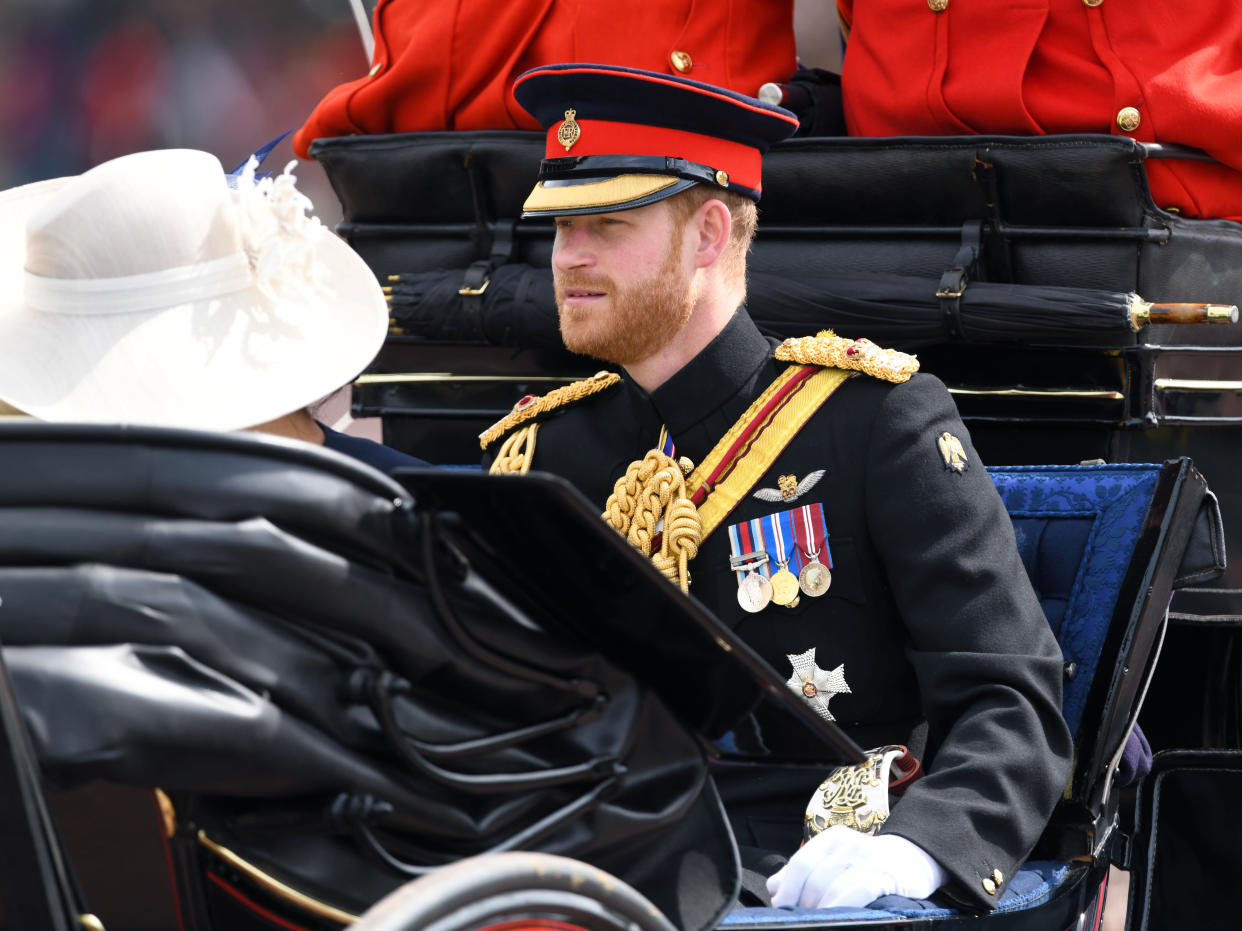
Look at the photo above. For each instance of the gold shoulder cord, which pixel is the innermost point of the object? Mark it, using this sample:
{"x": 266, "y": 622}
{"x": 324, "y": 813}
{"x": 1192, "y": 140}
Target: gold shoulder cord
{"x": 518, "y": 450}
{"x": 654, "y": 489}
{"x": 859, "y": 355}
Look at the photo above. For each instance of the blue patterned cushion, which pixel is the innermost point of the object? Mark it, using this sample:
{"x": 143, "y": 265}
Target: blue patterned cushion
{"x": 1076, "y": 527}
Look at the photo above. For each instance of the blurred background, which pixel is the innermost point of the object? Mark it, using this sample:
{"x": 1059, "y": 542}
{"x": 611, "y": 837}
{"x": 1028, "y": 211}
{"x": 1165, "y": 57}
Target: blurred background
{"x": 82, "y": 81}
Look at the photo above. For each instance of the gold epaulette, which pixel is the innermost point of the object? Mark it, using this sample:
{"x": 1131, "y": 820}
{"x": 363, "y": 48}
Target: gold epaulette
{"x": 860, "y": 355}
{"x": 533, "y": 405}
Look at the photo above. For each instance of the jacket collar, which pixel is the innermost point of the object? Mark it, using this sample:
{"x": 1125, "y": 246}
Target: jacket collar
{"x": 725, "y": 369}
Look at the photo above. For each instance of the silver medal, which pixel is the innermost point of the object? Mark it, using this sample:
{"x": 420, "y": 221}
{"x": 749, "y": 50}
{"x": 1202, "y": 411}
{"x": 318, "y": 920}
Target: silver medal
{"x": 754, "y": 592}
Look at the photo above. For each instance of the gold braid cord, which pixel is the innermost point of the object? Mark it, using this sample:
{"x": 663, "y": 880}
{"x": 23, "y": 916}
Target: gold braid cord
{"x": 516, "y": 452}
{"x": 654, "y": 488}
{"x": 860, "y": 355}
{"x": 534, "y": 405}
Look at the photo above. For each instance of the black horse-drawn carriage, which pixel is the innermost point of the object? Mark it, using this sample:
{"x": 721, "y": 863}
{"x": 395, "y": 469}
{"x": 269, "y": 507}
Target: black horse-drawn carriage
{"x": 326, "y": 686}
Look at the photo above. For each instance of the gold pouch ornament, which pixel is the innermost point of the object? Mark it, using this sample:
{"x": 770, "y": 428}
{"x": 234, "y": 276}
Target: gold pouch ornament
{"x": 859, "y": 795}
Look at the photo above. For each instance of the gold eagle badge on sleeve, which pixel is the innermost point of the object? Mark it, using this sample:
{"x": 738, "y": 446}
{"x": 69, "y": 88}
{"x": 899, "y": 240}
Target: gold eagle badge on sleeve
{"x": 952, "y": 452}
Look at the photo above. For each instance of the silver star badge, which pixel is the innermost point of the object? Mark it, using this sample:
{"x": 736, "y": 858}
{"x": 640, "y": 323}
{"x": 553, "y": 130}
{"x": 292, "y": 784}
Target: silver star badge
{"x": 790, "y": 489}
{"x": 815, "y": 685}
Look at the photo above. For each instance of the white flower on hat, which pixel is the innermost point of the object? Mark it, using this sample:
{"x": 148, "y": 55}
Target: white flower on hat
{"x": 279, "y": 236}
{"x": 146, "y": 291}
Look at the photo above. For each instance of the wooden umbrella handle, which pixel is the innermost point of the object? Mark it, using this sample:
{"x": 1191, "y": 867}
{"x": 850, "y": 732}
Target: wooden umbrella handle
{"x": 1143, "y": 313}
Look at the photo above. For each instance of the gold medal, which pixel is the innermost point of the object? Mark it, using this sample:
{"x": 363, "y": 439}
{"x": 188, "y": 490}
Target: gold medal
{"x": 754, "y": 592}
{"x": 784, "y": 585}
{"x": 814, "y": 578}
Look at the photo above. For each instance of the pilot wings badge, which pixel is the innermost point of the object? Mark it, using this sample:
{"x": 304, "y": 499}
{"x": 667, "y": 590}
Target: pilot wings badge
{"x": 789, "y": 488}
{"x": 952, "y": 453}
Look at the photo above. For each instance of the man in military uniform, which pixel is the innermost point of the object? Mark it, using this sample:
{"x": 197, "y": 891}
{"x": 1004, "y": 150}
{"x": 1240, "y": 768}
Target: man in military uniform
{"x": 818, "y": 497}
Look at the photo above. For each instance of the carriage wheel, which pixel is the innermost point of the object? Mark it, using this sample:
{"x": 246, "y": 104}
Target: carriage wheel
{"x": 515, "y": 892}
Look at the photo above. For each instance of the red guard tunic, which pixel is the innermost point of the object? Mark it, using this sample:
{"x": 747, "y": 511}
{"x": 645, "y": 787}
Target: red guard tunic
{"x": 1153, "y": 70}
{"x": 451, "y": 64}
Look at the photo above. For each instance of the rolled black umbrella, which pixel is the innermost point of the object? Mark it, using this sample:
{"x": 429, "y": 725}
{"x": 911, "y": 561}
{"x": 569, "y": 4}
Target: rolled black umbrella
{"x": 517, "y": 308}
{"x": 910, "y": 310}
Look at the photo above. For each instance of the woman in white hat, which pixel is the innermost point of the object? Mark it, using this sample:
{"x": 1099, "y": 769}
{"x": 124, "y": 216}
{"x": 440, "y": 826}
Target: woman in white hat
{"x": 147, "y": 291}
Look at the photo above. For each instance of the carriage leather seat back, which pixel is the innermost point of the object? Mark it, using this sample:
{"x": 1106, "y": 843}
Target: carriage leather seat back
{"x": 282, "y": 641}
{"x": 293, "y": 648}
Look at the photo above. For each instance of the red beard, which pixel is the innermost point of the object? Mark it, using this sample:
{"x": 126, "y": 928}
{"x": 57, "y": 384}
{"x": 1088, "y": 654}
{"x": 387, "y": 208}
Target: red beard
{"x": 634, "y": 321}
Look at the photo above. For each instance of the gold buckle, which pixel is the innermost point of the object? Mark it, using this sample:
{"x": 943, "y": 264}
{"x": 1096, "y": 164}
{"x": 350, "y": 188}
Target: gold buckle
{"x": 466, "y": 291}
{"x": 945, "y": 292}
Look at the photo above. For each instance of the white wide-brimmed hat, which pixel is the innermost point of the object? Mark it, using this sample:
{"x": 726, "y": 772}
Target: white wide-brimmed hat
{"x": 147, "y": 291}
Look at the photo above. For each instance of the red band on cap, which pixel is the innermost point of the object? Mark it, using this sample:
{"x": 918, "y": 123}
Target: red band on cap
{"x": 604, "y": 137}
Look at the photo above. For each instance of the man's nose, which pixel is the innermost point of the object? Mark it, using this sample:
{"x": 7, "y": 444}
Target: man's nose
{"x": 571, "y": 249}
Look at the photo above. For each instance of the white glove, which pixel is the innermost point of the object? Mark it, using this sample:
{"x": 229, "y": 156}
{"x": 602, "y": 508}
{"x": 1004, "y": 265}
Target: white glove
{"x": 844, "y": 867}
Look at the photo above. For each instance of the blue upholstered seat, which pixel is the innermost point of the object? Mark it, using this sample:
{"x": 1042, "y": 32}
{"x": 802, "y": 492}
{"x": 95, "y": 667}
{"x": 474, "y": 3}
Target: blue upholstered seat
{"x": 1032, "y": 885}
{"x": 1076, "y": 528}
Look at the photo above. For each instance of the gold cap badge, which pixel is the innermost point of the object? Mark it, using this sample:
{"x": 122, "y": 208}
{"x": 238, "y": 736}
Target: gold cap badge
{"x": 569, "y": 130}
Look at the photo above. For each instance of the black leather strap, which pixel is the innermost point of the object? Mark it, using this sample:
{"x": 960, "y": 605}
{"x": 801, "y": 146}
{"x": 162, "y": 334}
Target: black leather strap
{"x": 956, "y": 277}
{"x": 479, "y": 273}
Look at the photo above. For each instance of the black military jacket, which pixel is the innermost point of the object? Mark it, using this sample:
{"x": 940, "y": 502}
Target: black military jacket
{"x": 943, "y": 644}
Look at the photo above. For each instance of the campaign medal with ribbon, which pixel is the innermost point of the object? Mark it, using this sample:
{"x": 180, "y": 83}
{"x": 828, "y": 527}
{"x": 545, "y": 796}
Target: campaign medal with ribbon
{"x": 780, "y": 557}
{"x": 812, "y": 539}
{"x": 754, "y": 591}
{"x": 777, "y": 528}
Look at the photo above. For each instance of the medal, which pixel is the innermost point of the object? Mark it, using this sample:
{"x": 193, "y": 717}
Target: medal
{"x": 815, "y": 577}
{"x": 758, "y": 583}
{"x": 754, "y": 592}
{"x": 784, "y": 585}
{"x": 784, "y": 582}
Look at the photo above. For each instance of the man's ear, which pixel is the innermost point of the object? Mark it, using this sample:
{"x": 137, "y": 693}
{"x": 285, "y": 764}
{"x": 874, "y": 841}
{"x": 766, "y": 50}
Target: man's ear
{"x": 713, "y": 225}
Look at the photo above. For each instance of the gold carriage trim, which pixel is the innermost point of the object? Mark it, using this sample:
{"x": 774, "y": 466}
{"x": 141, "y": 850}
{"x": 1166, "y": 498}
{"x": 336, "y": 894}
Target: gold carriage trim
{"x": 533, "y": 405}
{"x": 274, "y": 886}
{"x": 859, "y": 355}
